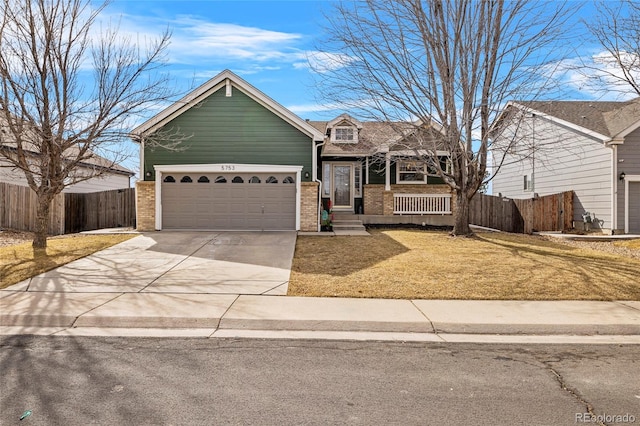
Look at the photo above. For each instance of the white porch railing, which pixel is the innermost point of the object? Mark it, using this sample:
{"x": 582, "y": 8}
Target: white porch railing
{"x": 421, "y": 203}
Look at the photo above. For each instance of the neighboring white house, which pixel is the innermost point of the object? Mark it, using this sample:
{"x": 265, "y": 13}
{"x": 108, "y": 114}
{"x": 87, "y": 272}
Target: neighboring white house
{"x": 590, "y": 147}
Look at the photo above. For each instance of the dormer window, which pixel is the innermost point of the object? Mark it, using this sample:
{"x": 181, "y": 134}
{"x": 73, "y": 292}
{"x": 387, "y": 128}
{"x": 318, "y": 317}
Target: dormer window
{"x": 344, "y": 129}
{"x": 344, "y": 134}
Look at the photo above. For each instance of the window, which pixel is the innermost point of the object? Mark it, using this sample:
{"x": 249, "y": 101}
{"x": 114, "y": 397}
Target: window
{"x": 326, "y": 179}
{"x": 237, "y": 179}
{"x": 445, "y": 165}
{"x": 288, "y": 179}
{"x": 357, "y": 180}
{"x": 169, "y": 179}
{"x": 203, "y": 179}
{"x": 271, "y": 179}
{"x": 186, "y": 179}
{"x": 528, "y": 183}
{"x": 344, "y": 134}
{"x": 411, "y": 172}
{"x": 221, "y": 179}
{"x": 254, "y": 179}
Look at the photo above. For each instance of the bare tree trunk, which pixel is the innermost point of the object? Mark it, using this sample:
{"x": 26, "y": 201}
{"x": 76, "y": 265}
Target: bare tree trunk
{"x": 54, "y": 121}
{"x": 461, "y": 216}
{"x": 42, "y": 222}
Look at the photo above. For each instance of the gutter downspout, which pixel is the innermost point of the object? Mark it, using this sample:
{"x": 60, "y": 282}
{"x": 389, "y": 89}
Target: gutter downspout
{"x": 614, "y": 188}
{"x": 314, "y": 176}
{"x": 142, "y": 171}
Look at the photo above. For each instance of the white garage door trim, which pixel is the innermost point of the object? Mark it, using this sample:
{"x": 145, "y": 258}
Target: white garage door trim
{"x": 627, "y": 179}
{"x": 224, "y": 168}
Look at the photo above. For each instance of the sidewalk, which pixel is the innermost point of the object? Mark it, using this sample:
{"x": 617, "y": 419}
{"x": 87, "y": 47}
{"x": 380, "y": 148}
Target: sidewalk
{"x": 228, "y": 315}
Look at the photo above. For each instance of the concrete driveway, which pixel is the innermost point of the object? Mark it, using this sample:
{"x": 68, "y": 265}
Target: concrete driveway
{"x": 179, "y": 262}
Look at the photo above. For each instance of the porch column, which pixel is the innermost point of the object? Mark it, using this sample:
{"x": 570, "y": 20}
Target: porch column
{"x": 366, "y": 173}
{"x": 387, "y": 172}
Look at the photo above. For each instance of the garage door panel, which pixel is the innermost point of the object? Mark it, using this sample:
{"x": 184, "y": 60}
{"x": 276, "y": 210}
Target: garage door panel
{"x": 254, "y": 204}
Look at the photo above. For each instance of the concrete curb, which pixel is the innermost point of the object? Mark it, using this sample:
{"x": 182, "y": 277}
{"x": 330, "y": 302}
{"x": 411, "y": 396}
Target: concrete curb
{"x": 277, "y": 313}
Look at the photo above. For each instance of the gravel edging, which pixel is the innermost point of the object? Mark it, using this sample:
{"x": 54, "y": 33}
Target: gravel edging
{"x": 604, "y": 246}
{"x": 10, "y": 237}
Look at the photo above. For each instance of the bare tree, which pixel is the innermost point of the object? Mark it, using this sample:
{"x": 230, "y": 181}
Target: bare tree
{"x": 68, "y": 89}
{"x": 443, "y": 65}
{"x": 617, "y": 29}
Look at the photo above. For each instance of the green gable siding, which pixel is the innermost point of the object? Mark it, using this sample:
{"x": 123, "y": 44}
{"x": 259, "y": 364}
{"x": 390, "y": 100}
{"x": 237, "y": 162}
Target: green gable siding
{"x": 233, "y": 129}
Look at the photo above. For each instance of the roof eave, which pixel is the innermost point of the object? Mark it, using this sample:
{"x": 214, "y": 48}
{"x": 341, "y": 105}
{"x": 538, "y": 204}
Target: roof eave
{"x": 554, "y": 119}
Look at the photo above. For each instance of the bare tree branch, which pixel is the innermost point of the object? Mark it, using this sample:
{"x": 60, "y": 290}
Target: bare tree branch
{"x": 617, "y": 30}
{"x": 446, "y": 64}
{"x": 67, "y": 97}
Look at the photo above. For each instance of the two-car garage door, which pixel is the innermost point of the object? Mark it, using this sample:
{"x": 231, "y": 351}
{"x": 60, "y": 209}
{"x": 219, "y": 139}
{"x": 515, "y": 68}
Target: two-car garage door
{"x": 229, "y": 201}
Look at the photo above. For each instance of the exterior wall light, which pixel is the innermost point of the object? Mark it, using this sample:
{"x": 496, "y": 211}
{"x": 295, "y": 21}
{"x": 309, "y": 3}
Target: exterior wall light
{"x": 622, "y": 175}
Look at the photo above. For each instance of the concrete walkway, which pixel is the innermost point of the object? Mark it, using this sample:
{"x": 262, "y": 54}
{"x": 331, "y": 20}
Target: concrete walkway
{"x": 215, "y": 285}
{"x": 180, "y": 314}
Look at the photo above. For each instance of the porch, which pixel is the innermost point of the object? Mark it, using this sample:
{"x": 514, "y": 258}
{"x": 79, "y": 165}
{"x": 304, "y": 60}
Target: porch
{"x": 425, "y": 205}
{"x": 403, "y": 200}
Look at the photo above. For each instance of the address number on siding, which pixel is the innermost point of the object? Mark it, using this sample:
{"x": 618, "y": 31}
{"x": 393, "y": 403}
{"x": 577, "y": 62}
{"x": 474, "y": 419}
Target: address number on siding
{"x": 227, "y": 168}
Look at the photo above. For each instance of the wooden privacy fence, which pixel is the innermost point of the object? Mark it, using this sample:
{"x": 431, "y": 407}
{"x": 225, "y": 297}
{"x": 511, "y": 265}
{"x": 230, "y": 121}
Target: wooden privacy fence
{"x": 98, "y": 210}
{"x": 548, "y": 213}
{"x": 69, "y": 212}
{"x": 18, "y": 205}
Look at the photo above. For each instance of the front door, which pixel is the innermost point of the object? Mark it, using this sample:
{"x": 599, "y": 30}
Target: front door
{"x": 342, "y": 186}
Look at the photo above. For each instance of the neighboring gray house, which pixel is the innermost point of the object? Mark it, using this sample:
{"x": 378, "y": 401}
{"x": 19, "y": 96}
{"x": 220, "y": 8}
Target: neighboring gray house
{"x": 590, "y": 147}
{"x": 116, "y": 177}
{"x": 111, "y": 176}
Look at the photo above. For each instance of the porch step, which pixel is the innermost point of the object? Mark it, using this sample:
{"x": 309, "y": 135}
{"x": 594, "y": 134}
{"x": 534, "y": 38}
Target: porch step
{"x": 347, "y": 225}
{"x": 342, "y": 216}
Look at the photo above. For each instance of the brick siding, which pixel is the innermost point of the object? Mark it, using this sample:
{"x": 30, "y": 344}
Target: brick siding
{"x": 309, "y": 206}
{"x": 146, "y": 206}
{"x": 373, "y": 200}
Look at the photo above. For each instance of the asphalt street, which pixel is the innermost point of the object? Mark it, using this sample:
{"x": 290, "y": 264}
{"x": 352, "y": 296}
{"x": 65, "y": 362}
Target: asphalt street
{"x": 158, "y": 381}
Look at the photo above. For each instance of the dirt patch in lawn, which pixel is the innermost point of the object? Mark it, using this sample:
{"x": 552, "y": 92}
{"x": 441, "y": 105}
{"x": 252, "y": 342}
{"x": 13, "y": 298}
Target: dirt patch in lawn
{"x": 19, "y": 262}
{"x": 414, "y": 264}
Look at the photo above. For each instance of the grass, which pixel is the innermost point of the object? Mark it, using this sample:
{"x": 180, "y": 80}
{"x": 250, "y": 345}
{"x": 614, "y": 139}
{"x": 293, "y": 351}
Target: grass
{"x": 19, "y": 262}
{"x": 407, "y": 264}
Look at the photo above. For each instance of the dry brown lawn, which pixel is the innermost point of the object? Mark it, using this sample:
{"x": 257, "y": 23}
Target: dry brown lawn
{"x": 18, "y": 262}
{"x": 632, "y": 244}
{"x": 408, "y": 264}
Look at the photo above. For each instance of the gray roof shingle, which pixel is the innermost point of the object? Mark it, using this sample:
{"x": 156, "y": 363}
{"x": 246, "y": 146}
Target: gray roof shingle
{"x": 605, "y": 117}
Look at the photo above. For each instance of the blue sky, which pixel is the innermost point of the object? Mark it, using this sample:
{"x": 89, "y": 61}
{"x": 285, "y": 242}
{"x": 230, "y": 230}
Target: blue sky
{"x": 268, "y": 43}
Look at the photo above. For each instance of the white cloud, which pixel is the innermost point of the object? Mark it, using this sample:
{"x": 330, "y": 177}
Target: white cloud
{"x": 596, "y": 76}
{"x": 195, "y": 40}
{"x": 306, "y": 108}
{"x": 322, "y": 62}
